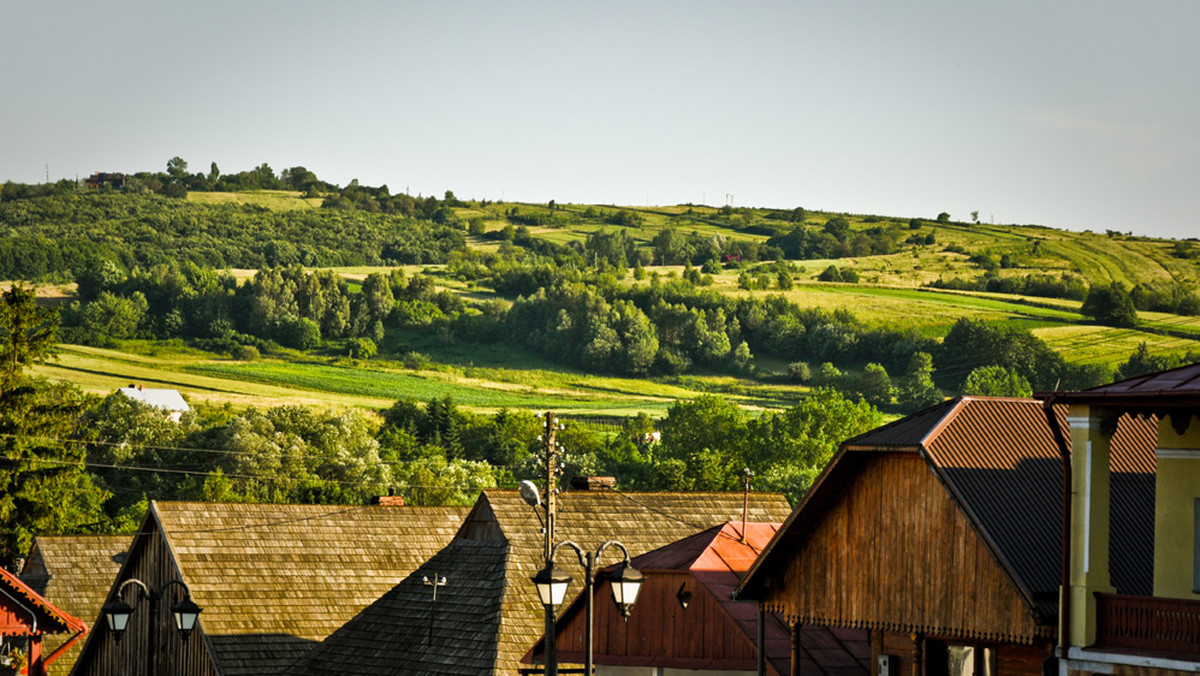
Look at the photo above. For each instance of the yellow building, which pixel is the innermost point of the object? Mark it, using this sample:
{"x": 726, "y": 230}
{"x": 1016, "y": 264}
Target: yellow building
{"x": 1102, "y": 632}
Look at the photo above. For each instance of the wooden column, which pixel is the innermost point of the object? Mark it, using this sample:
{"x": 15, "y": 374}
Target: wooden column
{"x": 1091, "y": 431}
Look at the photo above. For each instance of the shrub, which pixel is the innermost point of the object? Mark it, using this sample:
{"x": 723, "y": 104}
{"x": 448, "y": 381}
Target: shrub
{"x": 246, "y": 353}
{"x": 363, "y": 348}
{"x": 799, "y": 371}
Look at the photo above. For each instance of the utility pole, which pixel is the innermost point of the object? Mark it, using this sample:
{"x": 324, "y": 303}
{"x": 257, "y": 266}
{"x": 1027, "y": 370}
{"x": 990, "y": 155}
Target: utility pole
{"x": 550, "y": 439}
{"x": 747, "y": 475}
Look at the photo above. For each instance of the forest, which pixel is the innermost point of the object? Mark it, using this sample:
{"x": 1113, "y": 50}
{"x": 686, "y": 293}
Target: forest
{"x": 702, "y": 293}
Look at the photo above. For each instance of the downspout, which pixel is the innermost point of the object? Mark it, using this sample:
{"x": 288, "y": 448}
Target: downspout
{"x": 1064, "y": 601}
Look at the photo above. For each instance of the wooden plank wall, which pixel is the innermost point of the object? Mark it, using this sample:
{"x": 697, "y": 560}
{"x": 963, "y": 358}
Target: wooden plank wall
{"x": 660, "y": 628}
{"x": 103, "y": 656}
{"x": 895, "y": 552}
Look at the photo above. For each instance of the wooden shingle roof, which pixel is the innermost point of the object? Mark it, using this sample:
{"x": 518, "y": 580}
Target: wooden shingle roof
{"x": 501, "y": 521}
{"x": 408, "y": 632}
{"x": 75, "y": 573}
{"x": 274, "y": 579}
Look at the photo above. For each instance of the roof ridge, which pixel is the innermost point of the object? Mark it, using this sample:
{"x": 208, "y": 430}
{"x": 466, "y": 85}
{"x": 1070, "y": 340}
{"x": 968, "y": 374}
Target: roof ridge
{"x": 959, "y": 403}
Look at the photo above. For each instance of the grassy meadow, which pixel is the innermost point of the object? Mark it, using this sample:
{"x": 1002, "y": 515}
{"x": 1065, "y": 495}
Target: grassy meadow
{"x": 891, "y": 293}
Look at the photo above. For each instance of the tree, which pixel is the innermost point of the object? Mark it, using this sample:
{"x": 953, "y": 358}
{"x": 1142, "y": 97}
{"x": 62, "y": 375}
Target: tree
{"x": 943, "y": 217}
{"x": 177, "y": 168}
{"x": 916, "y": 390}
{"x": 44, "y": 485}
{"x": 1110, "y": 305}
{"x": 1142, "y": 362}
{"x": 975, "y": 216}
{"x": 996, "y": 381}
{"x": 28, "y": 333}
{"x": 875, "y": 385}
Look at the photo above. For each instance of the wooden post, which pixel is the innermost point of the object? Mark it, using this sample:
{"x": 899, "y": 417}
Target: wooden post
{"x": 550, "y": 439}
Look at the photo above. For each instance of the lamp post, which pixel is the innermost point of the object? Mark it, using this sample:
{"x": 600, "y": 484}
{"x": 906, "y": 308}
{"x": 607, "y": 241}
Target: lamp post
{"x": 117, "y": 613}
{"x": 552, "y": 582}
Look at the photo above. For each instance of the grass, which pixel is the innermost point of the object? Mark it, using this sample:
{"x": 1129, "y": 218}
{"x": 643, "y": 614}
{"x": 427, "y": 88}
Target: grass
{"x": 379, "y": 383}
{"x": 279, "y": 200}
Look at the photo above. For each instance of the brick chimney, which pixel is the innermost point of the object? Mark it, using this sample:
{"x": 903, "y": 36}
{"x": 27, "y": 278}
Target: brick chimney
{"x": 389, "y": 500}
{"x": 593, "y": 483}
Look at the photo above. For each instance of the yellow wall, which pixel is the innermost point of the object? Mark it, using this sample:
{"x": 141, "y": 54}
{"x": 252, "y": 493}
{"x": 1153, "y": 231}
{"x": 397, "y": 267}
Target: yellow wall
{"x": 1176, "y": 490}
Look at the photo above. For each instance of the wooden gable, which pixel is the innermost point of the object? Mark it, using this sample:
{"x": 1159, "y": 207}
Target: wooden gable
{"x": 150, "y": 560}
{"x": 894, "y": 551}
{"x": 660, "y": 631}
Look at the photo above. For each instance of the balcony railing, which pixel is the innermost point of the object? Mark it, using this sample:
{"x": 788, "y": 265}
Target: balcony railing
{"x": 1148, "y": 623}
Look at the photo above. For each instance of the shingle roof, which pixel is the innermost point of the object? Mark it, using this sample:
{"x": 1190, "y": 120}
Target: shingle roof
{"x": 272, "y": 579}
{"x": 75, "y": 573}
{"x": 998, "y": 459}
{"x": 641, "y": 521}
{"x": 408, "y": 632}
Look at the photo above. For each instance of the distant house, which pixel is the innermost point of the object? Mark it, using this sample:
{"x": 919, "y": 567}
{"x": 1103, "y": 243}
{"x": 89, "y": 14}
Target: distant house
{"x": 75, "y": 573}
{"x": 1110, "y": 628}
{"x": 685, "y": 619}
{"x": 488, "y": 614}
{"x": 26, "y": 617}
{"x": 169, "y": 401}
{"x": 272, "y": 580}
{"x": 941, "y": 534}
{"x": 103, "y": 179}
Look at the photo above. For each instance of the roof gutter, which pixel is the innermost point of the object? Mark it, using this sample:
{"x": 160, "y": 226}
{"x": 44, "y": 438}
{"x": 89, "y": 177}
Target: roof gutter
{"x": 1064, "y": 451}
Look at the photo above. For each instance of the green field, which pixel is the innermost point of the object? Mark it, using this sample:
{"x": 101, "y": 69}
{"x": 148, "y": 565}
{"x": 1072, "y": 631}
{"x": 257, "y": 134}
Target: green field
{"x": 379, "y": 383}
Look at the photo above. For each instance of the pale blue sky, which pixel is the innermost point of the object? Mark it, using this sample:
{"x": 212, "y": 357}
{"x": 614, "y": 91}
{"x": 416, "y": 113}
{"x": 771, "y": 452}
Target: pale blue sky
{"x": 1068, "y": 114}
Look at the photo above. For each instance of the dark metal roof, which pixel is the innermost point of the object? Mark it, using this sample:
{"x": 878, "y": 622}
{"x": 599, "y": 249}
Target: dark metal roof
{"x": 907, "y": 432}
{"x": 998, "y": 459}
{"x": 1172, "y": 388}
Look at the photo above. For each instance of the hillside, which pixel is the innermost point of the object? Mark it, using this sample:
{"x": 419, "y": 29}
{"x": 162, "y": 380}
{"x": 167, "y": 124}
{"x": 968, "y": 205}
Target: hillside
{"x": 1000, "y": 275}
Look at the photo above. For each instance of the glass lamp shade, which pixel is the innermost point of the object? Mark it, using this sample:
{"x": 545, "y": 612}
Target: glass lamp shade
{"x": 186, "y": 613}
{"x": 116, "y": 613}
{"x": 625, "y": 581}
{"x": 551, "y": 583}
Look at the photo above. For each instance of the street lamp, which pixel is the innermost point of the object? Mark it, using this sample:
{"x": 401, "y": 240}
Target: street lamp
{"x": 551, "y": 583}
{"x": 117, "y": 613}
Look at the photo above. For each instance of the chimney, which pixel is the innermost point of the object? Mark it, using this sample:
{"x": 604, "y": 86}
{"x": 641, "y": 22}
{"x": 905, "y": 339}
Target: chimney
{"x": 593, "y": 483}
{"x": 389, "y": 500}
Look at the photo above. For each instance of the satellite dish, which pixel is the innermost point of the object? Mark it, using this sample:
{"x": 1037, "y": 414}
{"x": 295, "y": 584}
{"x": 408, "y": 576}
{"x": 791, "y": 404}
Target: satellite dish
{"x": 529, "y": 493}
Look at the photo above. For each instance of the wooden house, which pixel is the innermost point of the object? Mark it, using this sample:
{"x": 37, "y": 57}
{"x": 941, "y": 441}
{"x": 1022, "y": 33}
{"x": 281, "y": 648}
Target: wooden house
{"x": 686, "y": 620}
{"x": 488, "y": 614}
{"x": 1108, "y": 627}
{"x": 940, "y": 533}
{"x": 75, "y": 573}
{"x": 25, "y": 618}
{"x": 271, "y": 580}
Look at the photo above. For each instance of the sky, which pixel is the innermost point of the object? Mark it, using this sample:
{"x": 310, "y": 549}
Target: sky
{"x": 1070, "y": 114}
